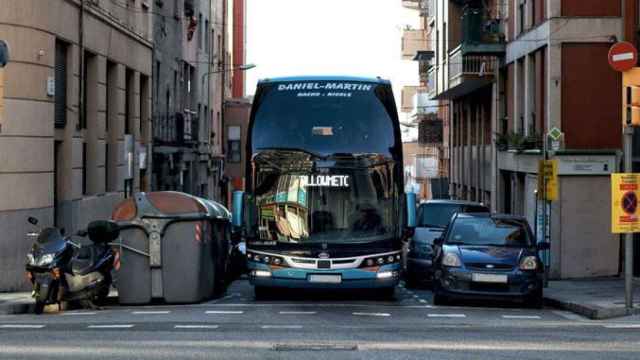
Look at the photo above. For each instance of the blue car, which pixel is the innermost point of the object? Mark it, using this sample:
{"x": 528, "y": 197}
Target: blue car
{"x": 433, "y": 216}
{"x": 488, "y": 256}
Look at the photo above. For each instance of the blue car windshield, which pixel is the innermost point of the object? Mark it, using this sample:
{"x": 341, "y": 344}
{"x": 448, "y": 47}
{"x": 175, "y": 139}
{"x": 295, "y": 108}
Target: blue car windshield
{"x": 489, "y": 231}
{"x": 438, "y": 215}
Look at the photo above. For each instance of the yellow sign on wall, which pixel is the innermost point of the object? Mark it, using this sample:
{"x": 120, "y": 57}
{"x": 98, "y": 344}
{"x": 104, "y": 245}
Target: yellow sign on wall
{"x": 624, "y": 203}
{"x": 548, "y": 180}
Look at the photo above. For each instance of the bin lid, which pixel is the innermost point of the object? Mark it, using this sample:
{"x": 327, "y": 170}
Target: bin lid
{"x": 168, "y": 203}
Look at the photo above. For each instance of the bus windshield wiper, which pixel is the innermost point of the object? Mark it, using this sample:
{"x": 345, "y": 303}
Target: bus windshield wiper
{"x": 292, "y": 149}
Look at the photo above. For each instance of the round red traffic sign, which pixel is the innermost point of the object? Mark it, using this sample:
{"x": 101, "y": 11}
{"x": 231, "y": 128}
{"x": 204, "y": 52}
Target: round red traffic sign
{"x": 629, "y": 202}
{"x": 623, "y": 56}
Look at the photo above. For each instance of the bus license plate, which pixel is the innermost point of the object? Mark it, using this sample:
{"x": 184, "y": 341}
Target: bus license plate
{"x": 489, "y": 278}
{"x": 325, "y": 279}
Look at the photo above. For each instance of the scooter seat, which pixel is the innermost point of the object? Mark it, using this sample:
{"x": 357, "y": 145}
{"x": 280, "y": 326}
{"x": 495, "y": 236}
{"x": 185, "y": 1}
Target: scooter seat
{"x": 85, "y": 259}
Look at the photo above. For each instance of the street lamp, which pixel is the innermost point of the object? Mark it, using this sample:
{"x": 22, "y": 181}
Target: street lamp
{"x": 243, "y": 67}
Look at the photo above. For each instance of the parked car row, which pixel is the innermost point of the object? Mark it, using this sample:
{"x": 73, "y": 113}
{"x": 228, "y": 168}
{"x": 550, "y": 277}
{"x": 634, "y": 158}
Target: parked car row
{"x": 465, "y": 252}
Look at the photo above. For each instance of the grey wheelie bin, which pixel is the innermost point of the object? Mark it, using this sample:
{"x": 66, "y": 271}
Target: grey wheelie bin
{"x": 173, "y": 247}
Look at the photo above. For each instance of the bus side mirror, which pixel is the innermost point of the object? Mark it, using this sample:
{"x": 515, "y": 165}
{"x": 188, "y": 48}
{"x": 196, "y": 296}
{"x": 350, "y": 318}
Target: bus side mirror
{"x": 411, "y": 209}
{"x": 237, "y": 211}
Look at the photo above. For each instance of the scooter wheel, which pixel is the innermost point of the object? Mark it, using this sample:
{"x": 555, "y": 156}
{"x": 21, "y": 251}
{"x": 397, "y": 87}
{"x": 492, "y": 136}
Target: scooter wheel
{"x": 39, "y": 307}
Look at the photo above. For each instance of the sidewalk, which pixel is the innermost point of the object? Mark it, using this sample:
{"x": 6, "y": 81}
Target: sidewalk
{"x": 599, "y": 298}
{"x": 16, "y": 303}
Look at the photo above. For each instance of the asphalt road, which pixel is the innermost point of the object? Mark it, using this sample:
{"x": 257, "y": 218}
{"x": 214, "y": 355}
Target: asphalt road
{"x": 318, "y": 325}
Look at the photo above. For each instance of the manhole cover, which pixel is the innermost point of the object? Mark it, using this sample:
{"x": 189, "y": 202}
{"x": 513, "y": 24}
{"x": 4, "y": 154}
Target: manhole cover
{"x": 315, "y": 347}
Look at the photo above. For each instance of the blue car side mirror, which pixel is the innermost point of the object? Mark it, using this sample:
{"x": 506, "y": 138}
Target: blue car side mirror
{"x": 411, "y": 209}
{"x": 237, "y": 210}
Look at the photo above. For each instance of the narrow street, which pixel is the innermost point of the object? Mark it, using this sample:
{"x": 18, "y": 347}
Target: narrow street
{"x": 317, "y": 326}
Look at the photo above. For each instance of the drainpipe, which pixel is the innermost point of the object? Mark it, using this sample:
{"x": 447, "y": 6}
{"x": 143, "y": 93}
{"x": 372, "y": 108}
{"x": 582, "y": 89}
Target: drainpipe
{"x": 222, "y": 96}
{"x": 81, "y": 79}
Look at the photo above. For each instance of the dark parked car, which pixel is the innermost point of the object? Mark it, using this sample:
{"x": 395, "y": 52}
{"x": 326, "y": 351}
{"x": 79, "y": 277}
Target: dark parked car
{"x": 432, "y": 217}
{"x": 488, "y": 256}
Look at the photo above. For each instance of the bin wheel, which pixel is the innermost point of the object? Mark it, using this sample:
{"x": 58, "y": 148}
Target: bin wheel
{"x": 39, "y": 307}
{"x": 262, "y": 292}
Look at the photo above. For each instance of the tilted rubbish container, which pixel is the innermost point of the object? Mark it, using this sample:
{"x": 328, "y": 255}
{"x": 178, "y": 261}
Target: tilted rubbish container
{"x": 173, "y": 247}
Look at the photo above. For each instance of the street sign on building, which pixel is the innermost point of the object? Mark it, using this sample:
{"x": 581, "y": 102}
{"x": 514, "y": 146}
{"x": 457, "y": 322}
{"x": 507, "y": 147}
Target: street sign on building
{"x": 623, "y": 56}
{"x": 548, "y": 180}
{"x": 624, "y": 203}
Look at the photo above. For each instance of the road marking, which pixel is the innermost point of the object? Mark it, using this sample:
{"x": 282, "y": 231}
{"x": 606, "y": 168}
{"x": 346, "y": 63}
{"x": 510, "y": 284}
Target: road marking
{"x": 622, "y": 326}
{"x": 151, "y": 312}
{"x": 119, "y": 326}
{"x": 520, "y": 317}
{"x": 298, "y": 312}
{"x": 569, "y": 315}
{"x": 21, "y": 326}
{"x": 196, "y": 326}
{"x": 370, "y": 314}
{"x": 77, "y": 313}
{"x": 446, "y": 315}
{"x": 227, "y": 312}
{"x": 281, "y": 326}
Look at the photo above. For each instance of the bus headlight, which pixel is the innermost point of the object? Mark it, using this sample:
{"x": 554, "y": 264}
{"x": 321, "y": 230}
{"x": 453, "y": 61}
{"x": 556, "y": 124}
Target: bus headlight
{"x": 261, "y": 273}
{"x": 387, "y": 274}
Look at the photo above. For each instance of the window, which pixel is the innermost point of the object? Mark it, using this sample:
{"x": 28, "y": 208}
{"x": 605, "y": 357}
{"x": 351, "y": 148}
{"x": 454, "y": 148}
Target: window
{"x": 84, "y": 168}
{"x": 128, "y": 117}
{"x": 233, "y": 151}
{"x": 521, "y": 17}
{"x": 200, "y": 31}
{"x": 206, "y": 36}
{"x": 61, "y": 84}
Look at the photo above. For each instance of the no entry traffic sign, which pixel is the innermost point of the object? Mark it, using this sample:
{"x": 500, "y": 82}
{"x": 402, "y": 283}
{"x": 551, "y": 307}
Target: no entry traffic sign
{"x": 623, "y": 56}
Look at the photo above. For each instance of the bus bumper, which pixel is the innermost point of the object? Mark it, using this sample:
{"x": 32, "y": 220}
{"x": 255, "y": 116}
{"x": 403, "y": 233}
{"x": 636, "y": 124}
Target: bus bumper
{"x": 385, "y": 277}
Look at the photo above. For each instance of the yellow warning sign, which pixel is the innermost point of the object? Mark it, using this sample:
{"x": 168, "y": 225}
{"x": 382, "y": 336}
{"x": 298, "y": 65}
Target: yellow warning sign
{"x": 548, "y": 180}
{"x": 624, "y": 203}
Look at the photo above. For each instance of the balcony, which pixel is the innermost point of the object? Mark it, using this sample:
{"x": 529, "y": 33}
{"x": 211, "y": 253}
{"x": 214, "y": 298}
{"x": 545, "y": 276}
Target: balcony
{"x": 432, "y": 73}
{"x": 413, "y": 42}
{"x": 468, "y": 73}
{"x": 411, "y": 4}
{"x": 480, "y": 34}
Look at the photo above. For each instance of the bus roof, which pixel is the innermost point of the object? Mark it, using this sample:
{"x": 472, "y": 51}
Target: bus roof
{"x": 377, "y": 80}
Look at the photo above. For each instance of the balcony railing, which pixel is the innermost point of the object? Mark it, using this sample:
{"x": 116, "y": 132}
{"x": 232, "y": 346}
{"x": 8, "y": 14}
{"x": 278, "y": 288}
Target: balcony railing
{"x": 469, "y": 65}
{"x": 431, "y": 81}
{"x": 411, "y": 4}
{"x": 428, "y": 8}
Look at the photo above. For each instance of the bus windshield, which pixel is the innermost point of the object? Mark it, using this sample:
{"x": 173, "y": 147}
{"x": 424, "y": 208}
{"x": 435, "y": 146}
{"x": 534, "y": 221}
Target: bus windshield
{"x": 324, "y": 117}
{"x": 336, "y": 200}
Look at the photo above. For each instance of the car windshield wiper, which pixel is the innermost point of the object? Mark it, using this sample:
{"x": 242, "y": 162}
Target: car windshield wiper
{"x": 456, "y": 243}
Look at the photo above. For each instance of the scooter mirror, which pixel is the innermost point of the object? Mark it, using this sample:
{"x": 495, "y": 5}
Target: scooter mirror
{"x": 32, "y": 220}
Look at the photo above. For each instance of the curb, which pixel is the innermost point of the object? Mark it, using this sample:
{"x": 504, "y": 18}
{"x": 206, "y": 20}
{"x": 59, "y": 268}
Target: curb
{"x": 17, "y": 308}
{"x": 591, "y": 311}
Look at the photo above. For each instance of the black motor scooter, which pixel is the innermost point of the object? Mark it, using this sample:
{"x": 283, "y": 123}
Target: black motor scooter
{"x": 63, "y": 270}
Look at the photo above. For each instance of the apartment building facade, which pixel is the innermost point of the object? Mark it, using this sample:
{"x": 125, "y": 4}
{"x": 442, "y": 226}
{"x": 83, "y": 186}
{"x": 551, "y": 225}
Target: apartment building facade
{"x": 426, "y": 155}
{"x": 77, "y": 122}
{"x": 513, "y": 70}
{"x": 189, "y": 59}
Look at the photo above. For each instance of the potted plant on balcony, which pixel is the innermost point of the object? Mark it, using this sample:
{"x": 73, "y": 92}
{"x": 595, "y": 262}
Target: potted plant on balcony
{"x": 516, "y": 141}
{"x": 501, "y": 141}
{"x": 533, "y": 141}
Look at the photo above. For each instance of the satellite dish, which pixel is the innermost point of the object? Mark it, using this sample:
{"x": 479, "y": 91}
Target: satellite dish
{"x": 4, "y": 53}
